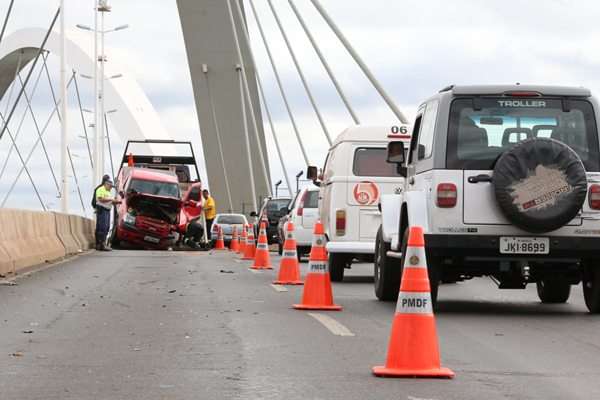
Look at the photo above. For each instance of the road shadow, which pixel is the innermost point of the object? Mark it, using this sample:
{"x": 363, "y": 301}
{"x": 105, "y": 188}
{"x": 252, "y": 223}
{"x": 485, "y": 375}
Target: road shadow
{"x": 357, "y": 279}
{"x": 498, "y": 308}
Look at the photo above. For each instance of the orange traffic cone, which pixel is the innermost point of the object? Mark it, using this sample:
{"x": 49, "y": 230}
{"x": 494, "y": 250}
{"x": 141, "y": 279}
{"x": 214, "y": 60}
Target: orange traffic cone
{"x": 317, "y": 293}
{"x": 250, "y": 249}
{"x": 413, "y": 347}
{"x": 289, "y": 270}
{"x": 261, "y": 257}
{"x": 220, "y": 243}
{"x": 243, "y": 241}
{"x": 234, "y": 246}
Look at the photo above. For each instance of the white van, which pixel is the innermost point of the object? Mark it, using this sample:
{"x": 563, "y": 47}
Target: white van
{"x": 354, "y": 177}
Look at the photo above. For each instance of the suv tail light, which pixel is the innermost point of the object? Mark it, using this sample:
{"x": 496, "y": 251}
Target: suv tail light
{"x": 300, "y": 211}
{"x": 594, "y": 197}
{"x": 340, "y": 222}
{"x": 446, "y": 195}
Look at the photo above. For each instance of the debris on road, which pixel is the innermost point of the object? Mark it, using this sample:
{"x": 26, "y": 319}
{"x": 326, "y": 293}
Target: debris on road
{"x": 226, "y": 271}
{"x": 17, "y": 354}
{"x": 172, "y": 291}
{"x": 28, "y": 331}
{"x": 8, "y": 283}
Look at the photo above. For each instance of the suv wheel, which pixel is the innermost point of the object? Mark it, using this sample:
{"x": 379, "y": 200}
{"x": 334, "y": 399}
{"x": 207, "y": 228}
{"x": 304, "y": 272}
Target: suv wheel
{"x": 433, "y": 268}
{"x": 553, "y": 291}
{"x": 591, "y": 285}
{"x": 337, "y": 264}
{"x": 386, "y": 272}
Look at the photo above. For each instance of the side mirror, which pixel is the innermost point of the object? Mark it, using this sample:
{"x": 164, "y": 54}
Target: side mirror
{"x": 396, "y": 153}
{"x": 312, "y": 173}
{"x": 253, "y": 214}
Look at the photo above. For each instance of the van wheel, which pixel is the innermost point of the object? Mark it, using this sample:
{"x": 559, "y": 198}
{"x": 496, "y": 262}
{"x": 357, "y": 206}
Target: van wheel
{"x": 386, "y": 272}
{"x": 591, "y": 285}
{"x": 433, "y": 269}
{"x": 337, "y": 265}
{"x": 553, "y": 291}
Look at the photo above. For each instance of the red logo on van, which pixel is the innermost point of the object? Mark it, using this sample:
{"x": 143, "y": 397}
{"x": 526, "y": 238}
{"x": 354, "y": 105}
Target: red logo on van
{"x": 366, "y": 193}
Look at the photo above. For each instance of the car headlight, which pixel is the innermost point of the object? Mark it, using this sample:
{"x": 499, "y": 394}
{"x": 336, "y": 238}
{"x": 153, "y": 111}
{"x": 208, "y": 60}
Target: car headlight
{"x": 129, "y": 219}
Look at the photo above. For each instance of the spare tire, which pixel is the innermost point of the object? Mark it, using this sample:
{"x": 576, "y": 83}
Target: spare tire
{"x": 540, "y": 184}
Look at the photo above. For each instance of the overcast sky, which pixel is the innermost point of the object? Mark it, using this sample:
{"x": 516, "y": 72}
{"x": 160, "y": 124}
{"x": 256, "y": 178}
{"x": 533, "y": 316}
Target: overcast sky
{"x": 413, "y": 47}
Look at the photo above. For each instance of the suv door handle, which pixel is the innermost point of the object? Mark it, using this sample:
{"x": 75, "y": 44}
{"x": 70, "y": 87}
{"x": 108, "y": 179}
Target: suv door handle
{"x": 479, "y": 178}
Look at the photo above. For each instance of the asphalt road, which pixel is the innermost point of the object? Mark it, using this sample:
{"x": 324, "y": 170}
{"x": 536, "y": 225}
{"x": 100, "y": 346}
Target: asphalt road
{"x": 150, "y": 325}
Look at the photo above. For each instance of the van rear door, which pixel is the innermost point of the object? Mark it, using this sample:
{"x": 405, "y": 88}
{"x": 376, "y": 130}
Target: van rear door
{"x": 371, "y": 176}
{"x": 310, "y": 208}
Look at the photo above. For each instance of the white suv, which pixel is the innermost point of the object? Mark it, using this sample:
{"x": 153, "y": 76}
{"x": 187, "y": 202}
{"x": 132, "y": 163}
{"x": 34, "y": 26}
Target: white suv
{"x": 505, "y": 181}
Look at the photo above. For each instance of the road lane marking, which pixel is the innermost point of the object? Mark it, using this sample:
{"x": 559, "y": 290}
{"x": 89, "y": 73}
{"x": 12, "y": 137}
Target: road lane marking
{"x": 255, "y": 271}
{"x": 332, "y": 325}
{"x": 279, "y": 288}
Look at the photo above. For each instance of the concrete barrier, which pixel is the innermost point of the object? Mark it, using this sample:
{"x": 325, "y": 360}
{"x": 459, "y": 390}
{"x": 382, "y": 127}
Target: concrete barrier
{"x": 29, "y": 238}
{"x": 65, "y": 235}
{"x": 81, "y": 228}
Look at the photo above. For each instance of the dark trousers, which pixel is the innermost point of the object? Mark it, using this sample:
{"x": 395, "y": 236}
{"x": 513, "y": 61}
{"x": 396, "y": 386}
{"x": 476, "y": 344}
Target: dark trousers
{"x": 209, "y": 223}
{"x": 102, "y": 224}
{"x": 195, "y": 231}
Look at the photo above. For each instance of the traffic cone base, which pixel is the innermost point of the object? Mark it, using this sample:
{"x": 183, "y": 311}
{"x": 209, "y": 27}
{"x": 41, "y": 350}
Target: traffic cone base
{"x": 317, "y": 293}
{"x": 416, "y": 373}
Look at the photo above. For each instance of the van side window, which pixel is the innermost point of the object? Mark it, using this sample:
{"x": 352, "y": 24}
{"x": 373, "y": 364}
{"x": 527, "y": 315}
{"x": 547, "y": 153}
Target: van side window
{"x": 425, "y": 148}
{"x": 371, "y": 161}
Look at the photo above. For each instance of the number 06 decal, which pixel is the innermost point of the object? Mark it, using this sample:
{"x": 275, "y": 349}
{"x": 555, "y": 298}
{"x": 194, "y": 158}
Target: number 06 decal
{"x": 366, "y": 193}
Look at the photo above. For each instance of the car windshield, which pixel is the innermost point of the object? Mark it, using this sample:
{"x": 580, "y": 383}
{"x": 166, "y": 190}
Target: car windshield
{"x": 156, "y": 188}
{"x": 312, "y": 199}
{"x": 478, "y": 135}
{"x": 231, "y": 220}
{"x": 371, "y": 161}
{"x": 274, "y": 206}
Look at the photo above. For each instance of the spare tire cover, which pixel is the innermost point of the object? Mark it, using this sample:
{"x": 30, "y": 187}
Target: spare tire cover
{"x": 540, "y": 184}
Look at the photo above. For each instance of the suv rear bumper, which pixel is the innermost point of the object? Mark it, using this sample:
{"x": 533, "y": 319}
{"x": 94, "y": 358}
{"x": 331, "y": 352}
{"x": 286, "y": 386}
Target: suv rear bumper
{"x": 488, "y": 247}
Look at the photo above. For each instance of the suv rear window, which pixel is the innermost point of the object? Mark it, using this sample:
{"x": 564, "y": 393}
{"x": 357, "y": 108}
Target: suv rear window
{"x": 477, "y": 137}
{"x": 231, "y": 220}
{"x": 274, "y": 206}
{"x": 312, "y": 199}
{"x": 371, "y": 161}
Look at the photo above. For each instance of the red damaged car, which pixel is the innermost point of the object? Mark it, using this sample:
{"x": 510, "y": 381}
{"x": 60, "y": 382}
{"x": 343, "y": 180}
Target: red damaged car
{"x": 149, "y": 215}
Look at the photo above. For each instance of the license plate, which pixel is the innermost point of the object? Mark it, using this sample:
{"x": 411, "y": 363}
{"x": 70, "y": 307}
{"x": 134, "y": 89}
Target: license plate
{"x": 524, "y": 245}
{"x": 151, "y": 239}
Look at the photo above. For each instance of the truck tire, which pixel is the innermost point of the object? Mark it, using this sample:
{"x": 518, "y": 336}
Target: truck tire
{"x": 433, "y": 268}
{"x": 386, "y": 271}
{"x": 337, "y": 265}
{"x": 540, "y": 184}
{"x": 591, "y": 285}
{"x": 553, "y": 291}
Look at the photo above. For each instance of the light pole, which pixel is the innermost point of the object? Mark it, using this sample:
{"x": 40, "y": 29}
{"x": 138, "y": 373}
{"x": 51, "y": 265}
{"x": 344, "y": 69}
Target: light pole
{"x": 277, "y": 188}
{"x": 100, "y": 6}
{"x": 64, "y": 140}
{"x": 298, "y": 175}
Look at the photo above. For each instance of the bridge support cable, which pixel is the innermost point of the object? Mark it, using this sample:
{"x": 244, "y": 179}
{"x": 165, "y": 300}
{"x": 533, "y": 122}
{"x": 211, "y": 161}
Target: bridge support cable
{"x": 109, "y": 145}
{"x": 249, "y": 99}
{"x": 23, "y": 116}
{"x": 37, "y": 130}
{"x": 365, "y": 69}
{"x": 13, "y": 83}
{"x": 279, "y": 83}
{"x": 300, "y": 73}
{"x": 31, "y": 151}
{"x": 325, "y": 64}
{"x": 264, "y": 99}
{"x": 218, "y": 133}
{"x": 35, "y": 61}
{"x": 8, "y": 12}
{"x": 60, "y": 119}
{"x": 247, "y": 136}
{"x": 23, "y": 162}
{"x": 85, "y": 133}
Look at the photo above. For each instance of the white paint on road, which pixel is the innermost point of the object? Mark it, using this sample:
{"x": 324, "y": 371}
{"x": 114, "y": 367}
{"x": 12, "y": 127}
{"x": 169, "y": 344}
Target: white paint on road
{"x": 279, "y": 288}
{"x": 332, "y": 325}
{"x": 255, "y": 271}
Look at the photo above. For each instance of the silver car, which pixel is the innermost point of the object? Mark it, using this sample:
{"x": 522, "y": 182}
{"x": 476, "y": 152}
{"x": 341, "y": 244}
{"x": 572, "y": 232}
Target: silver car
{"x": 227, "y": 222}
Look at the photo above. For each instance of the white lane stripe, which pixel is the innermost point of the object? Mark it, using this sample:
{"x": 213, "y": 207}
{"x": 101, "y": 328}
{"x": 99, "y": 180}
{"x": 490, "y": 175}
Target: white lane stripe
{"x": 332, "y": 325}
{"x": 255, "y": 271}
{"x": 279, "y": 288}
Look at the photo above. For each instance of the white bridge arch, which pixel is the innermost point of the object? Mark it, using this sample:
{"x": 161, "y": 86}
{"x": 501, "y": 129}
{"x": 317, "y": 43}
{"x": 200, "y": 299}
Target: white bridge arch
{"x": 137, "y": 119}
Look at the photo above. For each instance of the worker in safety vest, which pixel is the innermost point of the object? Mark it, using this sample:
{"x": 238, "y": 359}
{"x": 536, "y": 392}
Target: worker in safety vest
{"x": 104, "y": 203}
{"x": 210, "y": 211}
